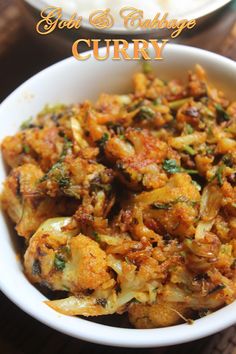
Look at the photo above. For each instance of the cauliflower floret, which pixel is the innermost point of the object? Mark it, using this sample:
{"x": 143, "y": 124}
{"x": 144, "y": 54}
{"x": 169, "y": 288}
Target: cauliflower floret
{"x": 14, "y": 150}
{"x": 75, "y": 177}
{"x": 42, "y": 146}
{"x": 20, "y": 199}
{"x": 157, "y": 315}
{"x": 25, "y": 204}
{"x": 174, "y": 207}
{"x": 87, "y": 181}
{"x": 111, "y": 104}
{"x": 56, "y": 257}
{"x": 139, "y": 159}
{"x": 88, "y": 267}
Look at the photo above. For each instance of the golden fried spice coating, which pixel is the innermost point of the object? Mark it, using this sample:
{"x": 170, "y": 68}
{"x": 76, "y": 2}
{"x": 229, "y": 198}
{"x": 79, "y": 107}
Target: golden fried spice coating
{"x": 128, "y": 204}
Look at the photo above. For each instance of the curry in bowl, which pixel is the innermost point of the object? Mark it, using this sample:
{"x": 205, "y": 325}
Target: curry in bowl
{"x": 128, "y": 205}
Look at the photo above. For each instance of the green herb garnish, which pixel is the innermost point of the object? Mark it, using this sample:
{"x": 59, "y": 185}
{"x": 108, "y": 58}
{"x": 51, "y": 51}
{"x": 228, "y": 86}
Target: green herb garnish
{"x": 228, "y": 160}
{"x": 189, "y": 150}
{"x": 190, "y": 172}
{"x": 67, "y": 146}
{"x": 66, "y": 249}
{"x": 59, "y": 262}
{"x": 102, "y": 142}
{"x": 189, "y": 129}
{"x": 26, "y": 124}
{"x": 222, "y": 114}
{"x": 100, "y": 186}
{"x": 219, "y": 175}
{"x": 26, "y": 149}
{"x": 96, "y": 236}
{"x": 145, "y": 113}
{"x": 58, "y": 174}
{"x": 64, "y": 182}
{"x": 210, "y": 150}
{"x": 171, "y": 166}
{"x": 157, "y": 101}
{"x": 233, "y": 265}
{"x": 47, "y": 175}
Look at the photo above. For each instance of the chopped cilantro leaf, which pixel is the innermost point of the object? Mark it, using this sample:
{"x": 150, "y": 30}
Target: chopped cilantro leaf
{"x": 67, "y": 146}
{"x": 171, "y": 166}
{"x": 26, "y": 149}
{"x": 157, "y": 101}
{"x": 64, "y": 182}
{"x": 145, "y": 113}
{"x": 222, "y": 114}
{"x": 102, "y": 142}
{"x": 190, "y": 172}
{"x": 59, "y": 262}
{"x": 219, "y": 175}
{"x": 228, "y": 160}
{"x": 96, "y": 236}
{"x": 189, "y": 129}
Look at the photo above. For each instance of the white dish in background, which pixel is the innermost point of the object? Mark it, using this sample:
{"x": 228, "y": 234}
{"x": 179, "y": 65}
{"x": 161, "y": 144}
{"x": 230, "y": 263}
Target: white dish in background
{"x": 72, "y": 81}
{"x": 175, "y": 8}
{"x": 195, "y": 11}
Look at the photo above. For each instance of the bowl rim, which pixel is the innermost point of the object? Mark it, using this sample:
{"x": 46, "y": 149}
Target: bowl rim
{"x": 197, "y": 14}
{"x": 114, "y": 336}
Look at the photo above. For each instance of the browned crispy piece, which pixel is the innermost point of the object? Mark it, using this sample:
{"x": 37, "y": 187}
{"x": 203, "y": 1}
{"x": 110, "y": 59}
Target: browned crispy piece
{"x": 128, "y": 204}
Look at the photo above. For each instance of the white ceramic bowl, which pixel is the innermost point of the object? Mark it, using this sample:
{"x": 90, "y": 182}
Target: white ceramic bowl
{"x": 71, "y": 81}
{"x": 61, "y": 41}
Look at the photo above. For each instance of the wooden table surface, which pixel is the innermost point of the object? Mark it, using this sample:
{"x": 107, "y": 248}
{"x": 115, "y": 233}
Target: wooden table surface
{"x": 21, "y": 56}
